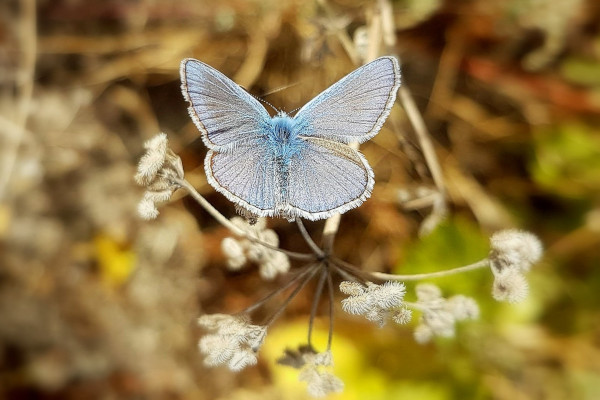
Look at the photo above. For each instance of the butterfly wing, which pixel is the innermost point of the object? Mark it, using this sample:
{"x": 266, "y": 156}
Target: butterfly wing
{"x": 354, "y": 108}
{"x": 247, "y": 176}
{"x": 325, "y": 178}
{"x": 223, "y": 112}
{"x": 233, "y": 126}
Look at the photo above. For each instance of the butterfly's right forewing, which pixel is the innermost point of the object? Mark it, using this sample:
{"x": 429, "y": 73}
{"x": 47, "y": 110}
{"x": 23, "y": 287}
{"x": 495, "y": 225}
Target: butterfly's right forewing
{"x": 223, "y": 112}
{"x": 354, "y": 108}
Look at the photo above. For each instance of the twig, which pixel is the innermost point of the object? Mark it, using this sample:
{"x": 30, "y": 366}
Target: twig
{"x": 342, "y": 35}
{"x": 229, "y": 225}
{"x": 311, "y": 243}
{"x": 439, "y": 209}
{"x": 315, "y": 303}
{"x": 415, "y": 277}
{"x": 274, "y": 293}
{"x": 423, "y": 137}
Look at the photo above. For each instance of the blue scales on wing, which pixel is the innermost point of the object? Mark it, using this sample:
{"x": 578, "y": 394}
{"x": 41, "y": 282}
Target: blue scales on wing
{"x": 327, "y": 177}
{"x": 234, "y": 126}
{"x": 247, "y": 176}
{"x": 284, "y": 166}
{"x": 223, "y": 112}
{"x": 354, "y": 108}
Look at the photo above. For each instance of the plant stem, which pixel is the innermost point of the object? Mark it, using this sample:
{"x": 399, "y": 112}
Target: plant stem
{"x": 220, "y": 218}
{"x": 331, "y": 299}
{"x": 345, "y": 275}
{"x": 345, "y": 267}
{"x": 291, "y": 282}
{"x": 415, "y": 277}
{"x": 315, "y": 303}
{"x": 312, "y": 270}
{"x": 318, "y": 252}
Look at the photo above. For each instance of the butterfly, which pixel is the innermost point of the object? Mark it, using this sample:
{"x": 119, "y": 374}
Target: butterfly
{"x": 290, "y": 166}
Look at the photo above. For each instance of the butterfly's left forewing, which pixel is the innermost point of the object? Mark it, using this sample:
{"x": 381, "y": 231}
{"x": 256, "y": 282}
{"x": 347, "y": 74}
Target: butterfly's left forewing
{"x": 224, "y": 113}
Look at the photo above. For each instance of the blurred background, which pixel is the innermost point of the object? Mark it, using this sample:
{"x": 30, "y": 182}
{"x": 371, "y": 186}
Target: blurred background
{"x": 96, "y": 304}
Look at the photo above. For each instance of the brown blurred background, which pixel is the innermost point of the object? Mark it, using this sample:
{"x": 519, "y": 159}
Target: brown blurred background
{"x": 96, "y": 304}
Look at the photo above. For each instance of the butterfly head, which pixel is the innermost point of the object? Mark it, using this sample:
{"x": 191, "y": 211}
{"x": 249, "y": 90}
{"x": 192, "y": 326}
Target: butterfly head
{"x": 284, "y": 128}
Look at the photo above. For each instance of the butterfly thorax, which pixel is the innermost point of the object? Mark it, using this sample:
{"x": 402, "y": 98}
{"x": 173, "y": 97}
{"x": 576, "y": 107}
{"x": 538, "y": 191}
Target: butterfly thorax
{"x": 283, "y": 138}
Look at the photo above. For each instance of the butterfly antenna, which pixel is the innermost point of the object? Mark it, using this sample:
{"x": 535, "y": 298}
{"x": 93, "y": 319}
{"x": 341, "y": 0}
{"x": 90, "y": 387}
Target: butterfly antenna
{"x": 265, "y": 102}
{"x": 279, "y": 89}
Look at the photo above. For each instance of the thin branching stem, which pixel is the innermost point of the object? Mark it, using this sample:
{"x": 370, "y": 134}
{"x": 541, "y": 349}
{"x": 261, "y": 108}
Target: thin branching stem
{"x": 345, "y": 275}
{"x": 220, "y": 218}
{"x": 311, "y": 243}
{"x": 350, "y": 269}
{"x": 415, "y": 277}
{"x": 301, "y": 273}
{"x": 315, "y": 302}
{"x": 331, "y": 300}
{"x": 415, "y": 306}
{"x": 344, "y": 268}
{"x": 312, "y": 270}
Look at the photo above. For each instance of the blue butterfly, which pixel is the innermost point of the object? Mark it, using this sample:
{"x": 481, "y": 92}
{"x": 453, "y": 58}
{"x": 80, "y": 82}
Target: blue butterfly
{"x": 290, "y": 166}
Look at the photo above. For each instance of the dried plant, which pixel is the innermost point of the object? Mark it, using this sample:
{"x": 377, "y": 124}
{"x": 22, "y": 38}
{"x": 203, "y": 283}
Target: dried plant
{"x": 234, "y": 341}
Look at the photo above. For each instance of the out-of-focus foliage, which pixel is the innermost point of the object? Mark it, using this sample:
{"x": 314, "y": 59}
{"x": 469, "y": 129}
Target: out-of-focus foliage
{"x": 567, "y": 160}
{"x": 582, "y": 71}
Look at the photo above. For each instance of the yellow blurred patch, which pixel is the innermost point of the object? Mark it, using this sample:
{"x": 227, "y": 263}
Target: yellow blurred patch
{"x": 115, "y": 260}
{"x": 361, "y": 378}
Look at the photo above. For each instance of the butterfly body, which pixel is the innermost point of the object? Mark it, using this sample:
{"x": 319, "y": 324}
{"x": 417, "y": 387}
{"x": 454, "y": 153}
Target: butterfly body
{"x": 286, "y": 166}
{"x": 284, "y": 137}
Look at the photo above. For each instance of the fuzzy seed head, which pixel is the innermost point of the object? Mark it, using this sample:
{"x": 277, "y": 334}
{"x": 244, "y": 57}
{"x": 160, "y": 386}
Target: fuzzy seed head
{"x": 513, "y": 248}
{"x": 462, "y": 307}
{"x": 402, "y": 316}
{"x": 510, "y": 286}
{"x": 147, "y": 210}
{"x": 427, "y": 292}
{"x": 423, "y": 334}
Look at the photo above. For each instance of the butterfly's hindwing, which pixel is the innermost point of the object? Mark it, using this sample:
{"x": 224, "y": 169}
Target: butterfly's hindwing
{"x": 325, "y": 178}
{"x": 247, "y": 176}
